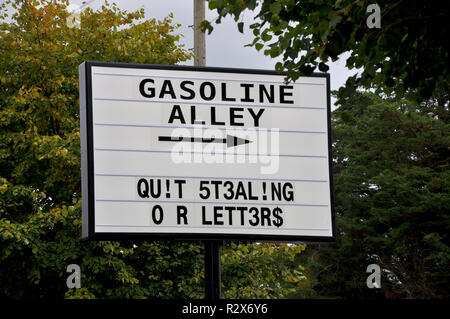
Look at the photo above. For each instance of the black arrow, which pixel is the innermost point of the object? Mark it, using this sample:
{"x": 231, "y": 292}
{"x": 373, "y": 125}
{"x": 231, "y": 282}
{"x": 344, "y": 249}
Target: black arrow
{"x": 230, "y": 140}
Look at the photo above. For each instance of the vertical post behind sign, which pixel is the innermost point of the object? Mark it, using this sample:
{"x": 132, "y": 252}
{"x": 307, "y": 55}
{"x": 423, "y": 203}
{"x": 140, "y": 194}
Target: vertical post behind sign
{"x": 199, "y": 36}
{"x": 212, "y": 247}
{"x": 212, "y": 269}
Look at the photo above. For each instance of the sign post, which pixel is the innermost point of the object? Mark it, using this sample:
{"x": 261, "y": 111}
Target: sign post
{"x": 213, "y": 280}
{"x": 201, "y": 153}
{"x": 212, "y": 247}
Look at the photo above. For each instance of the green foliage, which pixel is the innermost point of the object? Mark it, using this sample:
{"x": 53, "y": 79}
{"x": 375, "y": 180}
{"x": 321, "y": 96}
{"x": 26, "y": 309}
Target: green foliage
{"x": 40, "y": 198}
{"x": 391, "y": 150}
{"x": 248, "y": 270}
{"x": 392, "y": 185}
{"x": 409, "y": 51}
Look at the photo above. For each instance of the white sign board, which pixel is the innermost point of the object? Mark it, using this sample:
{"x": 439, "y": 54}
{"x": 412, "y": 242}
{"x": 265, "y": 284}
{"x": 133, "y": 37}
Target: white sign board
{"x": 185, "y": 152}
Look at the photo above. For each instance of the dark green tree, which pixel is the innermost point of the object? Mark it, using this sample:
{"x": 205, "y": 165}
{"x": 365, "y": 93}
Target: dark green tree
{"x": 392, "y": 184}
{"x": 391, "y": 150}
{"x": 409, "y": 51}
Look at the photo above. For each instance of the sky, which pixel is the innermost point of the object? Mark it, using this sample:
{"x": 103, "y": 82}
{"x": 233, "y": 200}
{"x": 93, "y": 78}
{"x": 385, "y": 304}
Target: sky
{"x": 225, "y": 46}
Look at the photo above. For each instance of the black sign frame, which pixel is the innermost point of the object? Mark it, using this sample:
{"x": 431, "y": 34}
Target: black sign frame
{"x": 87, "y": 163}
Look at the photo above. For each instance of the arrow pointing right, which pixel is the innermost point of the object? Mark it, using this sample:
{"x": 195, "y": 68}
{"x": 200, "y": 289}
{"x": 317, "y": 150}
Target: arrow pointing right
{"x": 235, "y": 141}
{"x": 231, "y": 140}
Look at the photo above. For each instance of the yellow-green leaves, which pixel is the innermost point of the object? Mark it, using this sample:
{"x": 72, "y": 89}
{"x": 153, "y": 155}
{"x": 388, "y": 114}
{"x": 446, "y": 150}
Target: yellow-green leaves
{"x": 261, "y": 270}
{"x": 40, "y": 211}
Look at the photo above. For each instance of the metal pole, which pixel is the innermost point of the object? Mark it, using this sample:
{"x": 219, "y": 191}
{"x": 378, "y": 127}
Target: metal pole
{"x": 212, "y": 247}
{"x": 199, "y": 36}
{"x": 212, "y": 270}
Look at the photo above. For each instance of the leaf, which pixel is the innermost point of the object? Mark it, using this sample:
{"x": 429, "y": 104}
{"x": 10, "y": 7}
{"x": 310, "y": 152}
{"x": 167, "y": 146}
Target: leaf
{"x": 258, "y": 46}
{"x": 275, "y": 7}
{"x": 241, "y": 27}
{"x": 323, "y": 67}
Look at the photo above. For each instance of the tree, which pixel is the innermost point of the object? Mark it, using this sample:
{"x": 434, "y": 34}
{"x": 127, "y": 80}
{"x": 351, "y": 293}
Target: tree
{"x": 409, "y": 52}
{"x": 40, "y": 198}
{"x": 391, "y": 174}
{"x": 249, "y": 270}
{"x": 391, "y": 150}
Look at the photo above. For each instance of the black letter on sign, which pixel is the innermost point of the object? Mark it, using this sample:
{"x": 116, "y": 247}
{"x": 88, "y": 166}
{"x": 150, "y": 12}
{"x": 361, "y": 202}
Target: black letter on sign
{"x": 224, "y": 93}
{"x": 181, "y": 213}
{"x": 247, "y": 87}
{"x": 204, "y": 221}
{"x": 155, "y": 192}
{"x": 256, "y": 116}
{"x": 167, "y": 88}
{"x": 212, "y": 94}
{"x": 151, "y": 90}
{"x": 143, "y": 193}
{"x": 186, "y": 89}
{"x": 255, "y": 212}
{"x": 159, "y": 220}
{"x": 269, "y": 95}
{"x": 283, "y": 94}
{"x": 288, "y": 195}
{"x": 234, "y": 116}
{"x": 176, "y": 114}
